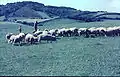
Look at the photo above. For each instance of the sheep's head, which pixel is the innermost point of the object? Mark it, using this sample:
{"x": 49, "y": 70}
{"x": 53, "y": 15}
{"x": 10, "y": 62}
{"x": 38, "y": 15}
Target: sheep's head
{"x": 56, "y": 30}
{"x": 9, "y": 35}
{"x": 35, "y": 35}
{"x": 46, "y": 30}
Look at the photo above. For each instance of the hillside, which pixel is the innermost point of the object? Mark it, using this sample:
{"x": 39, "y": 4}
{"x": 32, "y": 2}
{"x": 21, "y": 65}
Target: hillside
{"x": 25, "y": 12}
{"x": 29, "y": 9}
{"x": 52, "y": 11}
{"x": 95, "y": 16}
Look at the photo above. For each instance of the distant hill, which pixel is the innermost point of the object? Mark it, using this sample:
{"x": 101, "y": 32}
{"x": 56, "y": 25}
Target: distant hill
{"x": 29, "y": 13}
{"x": 25, "y": 12}
{"x": 88, "y": 16}
{"x": 52, "y": 11}
{"x": 29, "y": 9}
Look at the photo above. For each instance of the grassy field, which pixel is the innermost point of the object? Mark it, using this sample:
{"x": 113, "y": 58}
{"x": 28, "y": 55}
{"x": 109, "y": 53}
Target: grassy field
{"x": 74, "y": 56}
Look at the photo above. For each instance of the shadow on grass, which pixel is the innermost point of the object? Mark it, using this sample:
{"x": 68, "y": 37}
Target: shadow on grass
{"x": 26, "y": 44}
{"x": 99, "y": 43}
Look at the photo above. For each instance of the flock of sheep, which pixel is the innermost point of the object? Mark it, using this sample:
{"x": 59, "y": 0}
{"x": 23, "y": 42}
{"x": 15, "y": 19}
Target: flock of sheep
{"x": 51, "y": 35}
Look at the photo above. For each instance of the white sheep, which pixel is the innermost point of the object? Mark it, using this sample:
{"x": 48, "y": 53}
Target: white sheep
{"x": 29, "y": 38}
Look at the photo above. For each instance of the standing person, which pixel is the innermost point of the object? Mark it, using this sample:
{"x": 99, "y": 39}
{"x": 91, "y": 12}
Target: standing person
{"x": 20, "y": 30}
{"x": 35, "y": 26}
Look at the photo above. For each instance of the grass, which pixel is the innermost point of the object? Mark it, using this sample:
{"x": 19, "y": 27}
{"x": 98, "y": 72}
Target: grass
{"x": 69, "y": 56}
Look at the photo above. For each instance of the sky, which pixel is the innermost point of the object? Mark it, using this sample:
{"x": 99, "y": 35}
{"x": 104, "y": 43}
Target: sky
{"x": 84, "y": 5}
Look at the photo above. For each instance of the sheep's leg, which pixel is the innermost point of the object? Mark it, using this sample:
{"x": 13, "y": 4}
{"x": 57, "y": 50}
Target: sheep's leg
{"x": 13, "y": 43}
{"x": 8, "y": 41}
{"x": 40, "y": 41}
{"x": 27, "y": 42}
{"x": 56, "y": 41}
{"x": 20, "y": 43}
{"x": 31, "y": 42}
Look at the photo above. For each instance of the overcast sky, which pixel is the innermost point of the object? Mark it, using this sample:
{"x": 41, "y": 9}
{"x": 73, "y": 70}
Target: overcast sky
{"x": 90, "y": 5}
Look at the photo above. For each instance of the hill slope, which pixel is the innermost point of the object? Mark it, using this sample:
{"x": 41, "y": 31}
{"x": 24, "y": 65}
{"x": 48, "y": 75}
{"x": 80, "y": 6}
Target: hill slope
{"x": 39, "y": 10}
{"x": 25, "y": 12}
{"x": 29, "y": 13}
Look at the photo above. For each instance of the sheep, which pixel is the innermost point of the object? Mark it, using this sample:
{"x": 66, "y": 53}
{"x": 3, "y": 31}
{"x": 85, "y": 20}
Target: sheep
{"x": 53, "y": 32}
{"x": 15, "y": 39}
{"x": 29, "y": 38}
{"x": 22, "y": 36}
{"x": 8, "y": 36}
{"x": 116, "y": 31}
{"x": 46, "y": 38}
{"x": 38, "y": 32}
{"x": 102, "y": 31}
{"x": 93, "y": 32}
{"x": 74, "y": 31}
{"x": 68, "y": 32}
{"x": 46, "y": 32}
{"x": 60, "y": 32}
{"x": 82, "y": 31}
{"x": 50, "y": 35}
{"x": 11, "y": 39}
{"x": 109, "y": 31}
